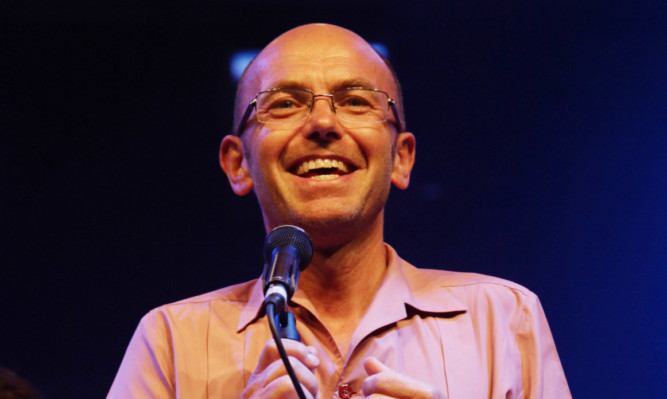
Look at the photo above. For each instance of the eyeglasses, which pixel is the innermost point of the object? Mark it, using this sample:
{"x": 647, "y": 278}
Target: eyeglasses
{"x": 290, "y": 106}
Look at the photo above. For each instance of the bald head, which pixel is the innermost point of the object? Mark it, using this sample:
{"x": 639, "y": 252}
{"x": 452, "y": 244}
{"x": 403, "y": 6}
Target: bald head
{"x": 325, "y": 47}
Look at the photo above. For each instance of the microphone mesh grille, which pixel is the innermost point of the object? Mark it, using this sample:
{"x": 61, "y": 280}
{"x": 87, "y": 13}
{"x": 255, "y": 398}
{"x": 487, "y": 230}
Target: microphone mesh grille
{"x": 292, "y": 236}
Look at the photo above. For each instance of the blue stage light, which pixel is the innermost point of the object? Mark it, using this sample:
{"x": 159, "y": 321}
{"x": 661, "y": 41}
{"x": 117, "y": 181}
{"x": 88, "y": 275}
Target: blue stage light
{"x": 240, "y": 59}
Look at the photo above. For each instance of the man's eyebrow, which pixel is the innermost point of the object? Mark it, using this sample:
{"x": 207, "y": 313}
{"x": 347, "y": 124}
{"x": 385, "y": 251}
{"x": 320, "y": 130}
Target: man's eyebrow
{"x": 340, "y": 84}
{"x": 358, "y": 82}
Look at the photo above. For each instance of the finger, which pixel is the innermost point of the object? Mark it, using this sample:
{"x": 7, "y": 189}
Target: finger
{"x": 399, "y": 386}
{"x": 381, "y": 379}
{"x": 283, "y": 387}
{"x": 401, "y": 389}
{"x": 384, "y": 381}
{"x": 305, "y": 375}
{"x": 373, "y": 366}
{"x": 312, "y": 362}
{"x": 277, "y": 370}
{"x": 307, "y": 379}
{"x": 293, "y": 348}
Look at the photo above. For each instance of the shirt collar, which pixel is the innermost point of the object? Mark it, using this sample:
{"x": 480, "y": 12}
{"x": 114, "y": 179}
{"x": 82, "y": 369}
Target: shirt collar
{"x": 253, "y": 308}
{"x": 403, "y": 286}
{"x": 420, "y": 289}
{"x": 404, "y": 290}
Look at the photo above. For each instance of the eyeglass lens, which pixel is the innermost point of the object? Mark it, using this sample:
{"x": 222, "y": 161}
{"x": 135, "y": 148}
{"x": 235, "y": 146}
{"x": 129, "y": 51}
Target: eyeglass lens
{"x": 294, "y": 104}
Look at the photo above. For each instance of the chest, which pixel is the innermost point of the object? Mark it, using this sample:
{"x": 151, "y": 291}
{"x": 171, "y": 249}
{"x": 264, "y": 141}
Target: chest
{"x": 446, "y": 352}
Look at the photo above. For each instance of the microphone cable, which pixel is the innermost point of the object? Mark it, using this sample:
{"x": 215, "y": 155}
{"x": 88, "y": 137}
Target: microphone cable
{"x": 270, "y": 309}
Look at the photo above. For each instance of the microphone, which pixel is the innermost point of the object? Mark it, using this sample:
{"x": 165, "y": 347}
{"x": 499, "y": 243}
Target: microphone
{"x": 287, "y": 252}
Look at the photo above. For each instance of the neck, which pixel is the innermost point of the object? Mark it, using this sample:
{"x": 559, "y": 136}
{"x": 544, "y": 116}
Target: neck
{"x": 341, "y": 283}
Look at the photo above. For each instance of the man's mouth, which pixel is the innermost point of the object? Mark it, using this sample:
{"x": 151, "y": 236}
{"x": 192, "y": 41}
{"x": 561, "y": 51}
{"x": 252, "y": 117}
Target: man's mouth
{"x": 322, "y": 169}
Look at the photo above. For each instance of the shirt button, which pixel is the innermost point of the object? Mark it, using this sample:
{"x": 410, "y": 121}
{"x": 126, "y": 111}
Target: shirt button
{"x": 344, "y": 391}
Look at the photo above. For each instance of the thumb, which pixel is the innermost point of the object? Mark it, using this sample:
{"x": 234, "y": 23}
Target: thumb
{"x": 373, "y": 366}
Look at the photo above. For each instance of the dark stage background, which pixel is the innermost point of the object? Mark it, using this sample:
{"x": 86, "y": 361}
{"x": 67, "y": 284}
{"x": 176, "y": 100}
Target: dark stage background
{"x": 541, "y": 132}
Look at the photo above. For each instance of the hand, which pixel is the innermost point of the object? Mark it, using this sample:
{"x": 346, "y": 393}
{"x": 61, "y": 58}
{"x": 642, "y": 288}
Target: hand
{"x": 270, "y": 378}
{"x": 383, "y": 382}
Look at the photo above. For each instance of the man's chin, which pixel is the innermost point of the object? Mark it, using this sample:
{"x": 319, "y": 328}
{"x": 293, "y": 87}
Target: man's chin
{"x": 333, "y": 229}
{"x": 327, "y": 221}
{"x": 323, "y": 218}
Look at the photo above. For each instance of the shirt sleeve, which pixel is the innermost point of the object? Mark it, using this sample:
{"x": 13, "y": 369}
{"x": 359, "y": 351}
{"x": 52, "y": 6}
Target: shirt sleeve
{"x": 542, "y": 373}
{"x": 147, "y": 369}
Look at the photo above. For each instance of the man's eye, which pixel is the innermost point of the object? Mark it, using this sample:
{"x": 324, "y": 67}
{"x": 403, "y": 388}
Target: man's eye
{"x": 283, "y": 104}
{"x": 354, "y": 102}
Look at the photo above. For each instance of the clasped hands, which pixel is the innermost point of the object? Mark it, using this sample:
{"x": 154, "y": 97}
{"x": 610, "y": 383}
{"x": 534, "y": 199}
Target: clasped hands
{"x": 270, "y": 379}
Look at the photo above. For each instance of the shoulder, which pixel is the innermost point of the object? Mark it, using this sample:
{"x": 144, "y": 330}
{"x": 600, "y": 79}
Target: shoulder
{"x": 230, "y": 300}
{"x": 436, "y": 280}
{"x": 451, "y": 279}
{"x": 472, "y": 291}
{"x": 239, "y": 293}
{"x": 499, "y": 304}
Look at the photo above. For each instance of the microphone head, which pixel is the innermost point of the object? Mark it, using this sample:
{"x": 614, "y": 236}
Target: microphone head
{"x": 288, "y": 235}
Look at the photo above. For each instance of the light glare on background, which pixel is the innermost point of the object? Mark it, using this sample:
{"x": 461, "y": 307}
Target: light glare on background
{"x": 240, "y": 59}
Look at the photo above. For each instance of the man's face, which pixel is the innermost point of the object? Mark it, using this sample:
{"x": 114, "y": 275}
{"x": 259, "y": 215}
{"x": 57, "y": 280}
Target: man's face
{"x": 323, "y": 173}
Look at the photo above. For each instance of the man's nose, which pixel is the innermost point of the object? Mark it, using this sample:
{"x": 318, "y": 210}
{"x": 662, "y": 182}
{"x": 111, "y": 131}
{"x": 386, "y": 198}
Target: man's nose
{"x": 322, "y": 121}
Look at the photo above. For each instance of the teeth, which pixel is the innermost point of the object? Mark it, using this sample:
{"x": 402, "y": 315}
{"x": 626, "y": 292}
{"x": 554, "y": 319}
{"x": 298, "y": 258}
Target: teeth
{"x": 321, "y": 163}
{"x": 325, "y": 177}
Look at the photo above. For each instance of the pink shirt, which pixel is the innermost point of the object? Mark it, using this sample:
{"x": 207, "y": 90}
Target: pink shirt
{"x": 472, "y": 336}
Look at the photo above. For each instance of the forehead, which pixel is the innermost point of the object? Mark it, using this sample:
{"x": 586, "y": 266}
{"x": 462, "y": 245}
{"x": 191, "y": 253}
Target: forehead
{"x": 321, "y": 58}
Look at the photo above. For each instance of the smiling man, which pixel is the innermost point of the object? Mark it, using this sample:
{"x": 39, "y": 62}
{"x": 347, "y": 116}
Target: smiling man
{"x": 320, "y": 141}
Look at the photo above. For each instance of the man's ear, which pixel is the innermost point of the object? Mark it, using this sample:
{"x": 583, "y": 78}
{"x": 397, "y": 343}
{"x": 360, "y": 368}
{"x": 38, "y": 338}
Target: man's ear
{"x": 404, "y": 159}
{"x": 233, "y": 162}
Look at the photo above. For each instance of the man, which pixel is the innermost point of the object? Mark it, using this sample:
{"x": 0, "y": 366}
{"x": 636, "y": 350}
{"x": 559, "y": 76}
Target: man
{"x": 320, "y": 141}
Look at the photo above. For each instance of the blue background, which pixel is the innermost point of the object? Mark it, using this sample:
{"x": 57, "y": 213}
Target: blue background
{"x": 542, "y": 134}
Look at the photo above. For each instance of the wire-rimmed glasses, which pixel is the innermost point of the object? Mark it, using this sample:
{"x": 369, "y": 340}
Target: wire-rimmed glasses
{"x": 291, "y": 105}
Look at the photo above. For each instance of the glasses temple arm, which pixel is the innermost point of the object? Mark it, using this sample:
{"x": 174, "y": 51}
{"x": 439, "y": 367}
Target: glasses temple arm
{"x": 246, "y": 114}
{"x": 392, "y": 103}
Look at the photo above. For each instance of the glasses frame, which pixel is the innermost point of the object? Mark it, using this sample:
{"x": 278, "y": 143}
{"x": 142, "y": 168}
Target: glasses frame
{"x": 253, "y": 104}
